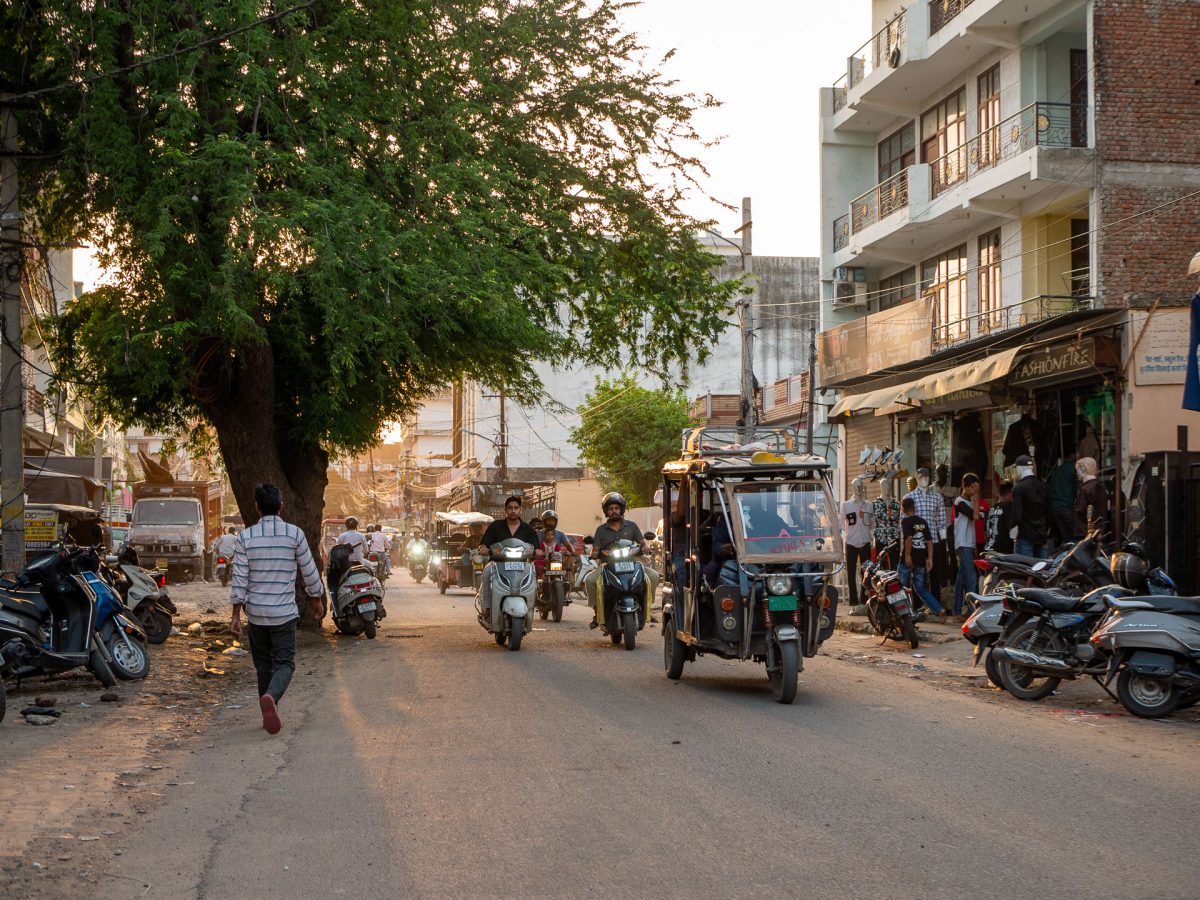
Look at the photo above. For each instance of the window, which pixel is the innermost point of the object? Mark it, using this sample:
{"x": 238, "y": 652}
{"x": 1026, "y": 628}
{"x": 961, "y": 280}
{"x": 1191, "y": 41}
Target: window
{"x": 897, "y": 153}
{"x": 987, "y": 115}
{"x": 945, "y": 279}
{"x": 943, "y": 141}
{"x": 897, "y": 289}
{"x": 990, "y": 301}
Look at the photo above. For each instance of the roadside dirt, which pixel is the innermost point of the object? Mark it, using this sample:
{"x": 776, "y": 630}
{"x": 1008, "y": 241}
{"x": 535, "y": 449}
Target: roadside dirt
{"x": 72, "y": 790}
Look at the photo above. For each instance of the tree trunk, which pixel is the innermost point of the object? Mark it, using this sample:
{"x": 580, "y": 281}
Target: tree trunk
{"x": 256, "y": 449}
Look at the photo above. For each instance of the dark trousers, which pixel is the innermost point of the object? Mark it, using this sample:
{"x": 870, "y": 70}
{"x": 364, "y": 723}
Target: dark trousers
{"x": 855, "y": 556}
{"x": 273, "y": 649}
{"x": 941, "y": 569}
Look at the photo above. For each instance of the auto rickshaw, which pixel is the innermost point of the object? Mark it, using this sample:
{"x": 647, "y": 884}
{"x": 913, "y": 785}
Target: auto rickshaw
{"x": 455, "y": 538}
{"x": 763, "y": 593}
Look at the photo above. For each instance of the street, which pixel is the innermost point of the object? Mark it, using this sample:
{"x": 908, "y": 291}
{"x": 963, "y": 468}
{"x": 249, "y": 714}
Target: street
{"x": 432, "y": 763}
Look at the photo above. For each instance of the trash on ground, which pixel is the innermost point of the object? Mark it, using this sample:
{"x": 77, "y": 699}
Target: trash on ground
{"x": 41, "y": 720}
{"x": 109, "y": 697}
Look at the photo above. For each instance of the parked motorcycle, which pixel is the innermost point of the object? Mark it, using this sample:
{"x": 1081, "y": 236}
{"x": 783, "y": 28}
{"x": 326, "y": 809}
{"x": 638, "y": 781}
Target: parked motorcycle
{"x": 889, "y": 604}
{"x": 145, "y": 595}
{"x": 513, "y": 592}
{"x": 357, "y": 594}
{"x": 122, "y": 637}
{"x": 1152, "y": 643}
{"x": 983, "y": 629}
{"x": 552, "y": 591}
{"x": 622, "y": 589}
{"x": 48, "y": 620}
{"x": 418, "y": 561}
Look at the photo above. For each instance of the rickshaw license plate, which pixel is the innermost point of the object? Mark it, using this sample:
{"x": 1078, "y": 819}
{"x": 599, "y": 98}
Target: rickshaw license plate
{"x": 513, "y": 566}
{"x": 782, "y": 604}
{"x": 624, "y": 567}
{"x": 366, "y": 607}
{"x": 160, "y": 564}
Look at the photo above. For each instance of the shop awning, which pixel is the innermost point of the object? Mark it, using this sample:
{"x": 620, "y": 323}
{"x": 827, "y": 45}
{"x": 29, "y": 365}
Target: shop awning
{"x": 931, "y": 387}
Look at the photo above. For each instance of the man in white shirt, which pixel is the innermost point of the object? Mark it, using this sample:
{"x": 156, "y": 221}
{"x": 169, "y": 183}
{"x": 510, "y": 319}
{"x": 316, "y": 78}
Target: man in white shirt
{"x": 858, "y": 526}
{"x": 377, "y": 542}
{"x": 355, "y": 539}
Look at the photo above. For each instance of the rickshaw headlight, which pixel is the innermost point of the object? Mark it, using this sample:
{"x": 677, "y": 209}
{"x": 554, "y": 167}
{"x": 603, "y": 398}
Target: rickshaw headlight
{"x": 779, "y": 585}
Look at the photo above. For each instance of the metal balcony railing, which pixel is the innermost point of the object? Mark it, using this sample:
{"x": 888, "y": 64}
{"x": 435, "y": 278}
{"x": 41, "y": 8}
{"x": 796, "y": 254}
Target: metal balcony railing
{"x": 885, "y": 48}
{"x": 879, "y": 202}
{"x": 941, "y": 12}
{"x": 1037, "y": 125}
{"x": 841, "y": 232}
{"x": 947, "y": 334}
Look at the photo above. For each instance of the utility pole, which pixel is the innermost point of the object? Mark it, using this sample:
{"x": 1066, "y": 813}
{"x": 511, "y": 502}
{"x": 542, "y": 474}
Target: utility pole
{"x": 749, "y": 416}
{"x": 374, "y": 488}
{"x": 12, "y": 385}
{"x": 502, "y": 456}
{"x": 812, "y": 383}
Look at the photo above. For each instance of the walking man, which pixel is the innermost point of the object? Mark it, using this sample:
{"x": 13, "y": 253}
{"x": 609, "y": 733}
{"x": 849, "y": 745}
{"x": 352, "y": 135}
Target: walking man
{"x": 966, "y": 512}
{"x": 265, "y": 561}
{"x": 916, "y": 559}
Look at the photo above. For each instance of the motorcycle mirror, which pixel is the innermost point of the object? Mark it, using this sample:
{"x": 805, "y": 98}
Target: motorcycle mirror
{"x": 1037, "y": 567}
{"x": 110, "y": 559}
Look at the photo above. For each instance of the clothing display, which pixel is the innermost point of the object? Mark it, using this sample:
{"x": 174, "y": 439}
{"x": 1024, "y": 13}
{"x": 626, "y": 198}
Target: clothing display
{"x": 858, "y": 522}
{"x": 887, "y": 524}
{"x": 1092, "y": 496}
{"x": 999, "y": 527}
{"x": 1024, "y": 436}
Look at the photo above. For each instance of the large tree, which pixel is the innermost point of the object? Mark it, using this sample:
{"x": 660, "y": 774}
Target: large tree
{"x": 318, "y": 215}
{"x": 628, "y": 431}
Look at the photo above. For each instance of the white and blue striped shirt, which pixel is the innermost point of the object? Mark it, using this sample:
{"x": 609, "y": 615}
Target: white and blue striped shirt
{"x": 265, "y": 560}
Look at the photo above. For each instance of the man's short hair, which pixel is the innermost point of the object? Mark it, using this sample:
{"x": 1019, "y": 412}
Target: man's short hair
{"x": 513, "y": 499}
{"x": 908, "y": 504}
{"x": 268, "y": 498}
{"x": 969, "y": 479}
{"x": 1006, "y": 487}
{"x": 231, "y": 530}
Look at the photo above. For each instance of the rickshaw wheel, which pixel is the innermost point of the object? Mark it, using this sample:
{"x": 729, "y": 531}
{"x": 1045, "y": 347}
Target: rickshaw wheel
{"x": 674, "y": 652}
{"x": 783, "y": 679}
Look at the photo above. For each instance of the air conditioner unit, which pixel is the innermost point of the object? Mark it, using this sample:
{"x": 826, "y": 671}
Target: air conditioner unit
{"x": 850, "y": 293}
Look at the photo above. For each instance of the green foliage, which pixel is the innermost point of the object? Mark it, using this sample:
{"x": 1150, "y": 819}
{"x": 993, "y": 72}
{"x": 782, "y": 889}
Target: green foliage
{"x": 627, "y": 432}
{"x": 357, "y": 203}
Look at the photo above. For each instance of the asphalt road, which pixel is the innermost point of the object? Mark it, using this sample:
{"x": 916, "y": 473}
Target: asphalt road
{"x": 431, "y": 762}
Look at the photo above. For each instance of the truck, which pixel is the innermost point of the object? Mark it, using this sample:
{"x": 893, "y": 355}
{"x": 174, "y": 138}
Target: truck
{"x": 175, "y": 524}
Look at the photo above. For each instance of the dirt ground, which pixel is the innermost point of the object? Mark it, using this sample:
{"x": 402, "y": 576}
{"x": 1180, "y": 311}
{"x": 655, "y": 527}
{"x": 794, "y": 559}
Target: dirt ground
{"x": 70, "y": 790}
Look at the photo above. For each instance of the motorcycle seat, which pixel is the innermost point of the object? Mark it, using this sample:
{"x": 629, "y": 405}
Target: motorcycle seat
{"x": 1013, "y": 559}
{"x": 27, "y": 601}
{"x": 1050, "y": 599}
{"x": 1180, "y": 606}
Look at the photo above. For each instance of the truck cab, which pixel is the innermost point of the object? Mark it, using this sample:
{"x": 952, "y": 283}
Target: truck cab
{"x": 173, "y": 526}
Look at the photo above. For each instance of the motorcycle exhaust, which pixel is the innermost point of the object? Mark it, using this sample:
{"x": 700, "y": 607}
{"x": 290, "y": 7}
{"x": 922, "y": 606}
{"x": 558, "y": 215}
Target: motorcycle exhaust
{"x": 1043, "y": 664}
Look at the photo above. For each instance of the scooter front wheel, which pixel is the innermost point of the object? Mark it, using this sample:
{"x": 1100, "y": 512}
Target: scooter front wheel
{"x": 629, "y": 629}
{"x": 516, "y": 631}
{"x": 99, "y": 667}
{"x": 130, "y": 660}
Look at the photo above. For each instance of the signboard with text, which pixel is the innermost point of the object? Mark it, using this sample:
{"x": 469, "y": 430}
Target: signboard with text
{"x": 893, "y": 337}
{"x": 1054, "y": 363}
{"x": 1162, "y": 348}
{"x": 41, "y": 528}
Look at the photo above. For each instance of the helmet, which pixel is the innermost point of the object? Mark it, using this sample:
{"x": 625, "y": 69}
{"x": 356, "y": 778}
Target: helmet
{"x": 372, "y": 527}
{"x": 610, "y": 498}
{"x": 1129, "y": 571}
{"x": 351, "y": 523}
{"x": 550, "y": 514}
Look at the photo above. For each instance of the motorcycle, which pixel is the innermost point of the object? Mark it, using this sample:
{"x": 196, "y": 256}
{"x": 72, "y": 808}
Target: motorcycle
{"x": 622, "y": 590}
{"x": 889, "y": 604}
{"x": 1153, "y": 646}
{"x": 513, "y": 589}
{"x": 418, "y": 561}
{"x": 144, "y": 593}
{"x": 983, "y": 629}
{"x": 552, "y": 591}
{"x": 357, "y": 594}
{"x": 121, "y": 635}
{"x": 222, "y": 568}
{"x": 48, "y": 620}
{"x": 377, "y": 563}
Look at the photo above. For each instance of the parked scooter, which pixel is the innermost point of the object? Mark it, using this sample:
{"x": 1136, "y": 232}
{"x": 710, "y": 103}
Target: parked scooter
{"x": 145, "y": 594}
{"x": 622, "y": 589}
{"x": 552, "y": 591}
{"x": 357, "y": 594}
{"x": 983, "y": 629}
{"x": 889, "y": 604}
{"x": 122, "y": 637}
{"x": 48, "y": 620}
{"x": 513, "y": 591}
{"x": 418, "y": 560}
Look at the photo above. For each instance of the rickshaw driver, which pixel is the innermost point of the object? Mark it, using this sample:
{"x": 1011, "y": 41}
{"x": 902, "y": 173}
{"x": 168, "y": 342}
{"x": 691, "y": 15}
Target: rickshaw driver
{"x": 612, "y": 530}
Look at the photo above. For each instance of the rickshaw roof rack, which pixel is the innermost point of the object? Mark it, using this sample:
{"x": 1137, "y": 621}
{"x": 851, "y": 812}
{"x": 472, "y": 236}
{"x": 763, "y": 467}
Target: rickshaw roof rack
{"x": 754, "y": 444}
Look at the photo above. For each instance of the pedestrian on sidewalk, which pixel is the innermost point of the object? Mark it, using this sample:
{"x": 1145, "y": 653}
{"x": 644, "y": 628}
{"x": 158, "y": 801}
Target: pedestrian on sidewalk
{"x": 1031, "y": 509}
{"x": 966, "y": 511}
{"x": 265, "y": 561}
{"x": 916, "y": 559}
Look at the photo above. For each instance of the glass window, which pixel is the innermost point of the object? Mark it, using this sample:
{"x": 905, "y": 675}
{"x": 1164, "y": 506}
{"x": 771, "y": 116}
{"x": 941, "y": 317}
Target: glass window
{"x": 166, "y": 512}
{"x": 987, "y": 116}
{"x": 990, "y": 301}
{"x": 945, "y": 279}
{"x": 897, "y": 153}
{"x": 897, "y": 289}
{"x": 943, "y": 140}
{"x": 783, "y": 517}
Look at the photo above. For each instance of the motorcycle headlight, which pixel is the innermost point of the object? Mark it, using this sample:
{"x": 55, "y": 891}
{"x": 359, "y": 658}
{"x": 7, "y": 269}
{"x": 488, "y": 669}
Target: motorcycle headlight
{"x": 619, "y": 554}
{"x": 779, "y": 585}
{"x": 514, "y": 553}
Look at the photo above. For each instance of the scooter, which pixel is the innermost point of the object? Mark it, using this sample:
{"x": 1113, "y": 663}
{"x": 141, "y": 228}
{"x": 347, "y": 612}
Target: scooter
{"x": 122, "y": 637}
{"x": 1153, "y": 643}
{"x": 622, "y": 590}
{"x": 48, "y": 621}
{"x": 552, "y": 593}
{"x": 222, "y": 568}
{"x": 513, "y": 585}
{"x": 145, "y": 595}
{"x": 357, "y": 594}
{"x": 983, "y": 629}
{"x": 889, "y": 604}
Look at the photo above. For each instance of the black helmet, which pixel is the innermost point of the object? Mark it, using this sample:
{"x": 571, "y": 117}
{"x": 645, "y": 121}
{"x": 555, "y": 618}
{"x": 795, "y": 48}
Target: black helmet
{"x": 351, "y": 523}
{"x": 550, "y": 514}
{"x": 1129, "y": 571}
{"x": 609, "y": 499}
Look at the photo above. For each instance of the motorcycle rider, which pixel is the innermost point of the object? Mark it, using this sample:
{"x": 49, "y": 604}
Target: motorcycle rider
{"x": 354, "y": 539}
{"x": 223, "y": 547}
{"x": 511, "y": 526}
{"x": 377, "y": 542}
{"x": 615, "y": 528}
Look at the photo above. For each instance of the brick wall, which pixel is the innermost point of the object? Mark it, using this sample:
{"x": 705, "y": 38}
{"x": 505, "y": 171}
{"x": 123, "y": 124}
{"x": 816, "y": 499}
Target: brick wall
{"x": 1147, "y": 86}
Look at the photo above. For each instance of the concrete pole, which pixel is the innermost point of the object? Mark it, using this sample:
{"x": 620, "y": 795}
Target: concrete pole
{"x": 749, "y": 416}
{"x": 12, "y": 385}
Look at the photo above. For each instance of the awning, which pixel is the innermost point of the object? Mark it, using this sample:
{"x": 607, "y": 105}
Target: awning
{"x": 930, "y": 387}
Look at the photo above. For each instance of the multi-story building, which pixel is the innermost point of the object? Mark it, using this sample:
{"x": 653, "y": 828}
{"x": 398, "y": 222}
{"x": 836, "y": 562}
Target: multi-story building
{"x": 1010, "y": 196}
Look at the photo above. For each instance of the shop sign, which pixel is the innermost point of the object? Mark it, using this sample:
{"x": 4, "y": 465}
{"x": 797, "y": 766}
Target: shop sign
{"x": 1162, "y": 348}
{"x": 1054, "y": 363}
{"x": 969, "y": 398}
{"x": 894, "y": 337}
{"x": 41, "y": 528}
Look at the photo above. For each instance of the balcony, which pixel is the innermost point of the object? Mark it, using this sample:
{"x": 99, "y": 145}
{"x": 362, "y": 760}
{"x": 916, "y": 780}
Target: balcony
{"x": 881, "y": 201}
{"x": 942, "y": 12}
{"x": 1038, "y": 125}
{"x": 873, "y": 64}
{"x": 995, "y": 322}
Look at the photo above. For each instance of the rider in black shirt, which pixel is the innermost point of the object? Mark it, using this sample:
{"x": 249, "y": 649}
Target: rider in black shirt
{"x": 510, "y": 526}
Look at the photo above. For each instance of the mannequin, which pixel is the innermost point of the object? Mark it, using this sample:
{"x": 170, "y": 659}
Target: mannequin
{"x": 858, "y": 526}
{"x": 1089, "y": 444}
{"x": 887, "y": 523}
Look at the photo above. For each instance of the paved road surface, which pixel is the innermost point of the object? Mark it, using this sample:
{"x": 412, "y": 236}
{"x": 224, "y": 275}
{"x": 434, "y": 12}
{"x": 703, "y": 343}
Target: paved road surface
{"x": 432, "y": 763}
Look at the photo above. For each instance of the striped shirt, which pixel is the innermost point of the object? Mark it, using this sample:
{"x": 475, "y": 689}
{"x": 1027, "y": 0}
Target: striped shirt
{"x": 265, "y": 560}
{"x": 931, "y": 506}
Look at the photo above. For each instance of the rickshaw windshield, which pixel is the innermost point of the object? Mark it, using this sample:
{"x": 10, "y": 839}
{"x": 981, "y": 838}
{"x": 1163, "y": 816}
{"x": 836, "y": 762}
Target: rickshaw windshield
{"x": 783, "y": 519}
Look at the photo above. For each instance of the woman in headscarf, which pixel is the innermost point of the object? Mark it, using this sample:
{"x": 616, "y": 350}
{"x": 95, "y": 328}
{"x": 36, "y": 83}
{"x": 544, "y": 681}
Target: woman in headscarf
{"x": 1091, "y": 500}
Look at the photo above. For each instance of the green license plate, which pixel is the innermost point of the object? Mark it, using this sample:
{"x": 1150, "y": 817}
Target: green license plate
{"x": 782, "y": 604}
